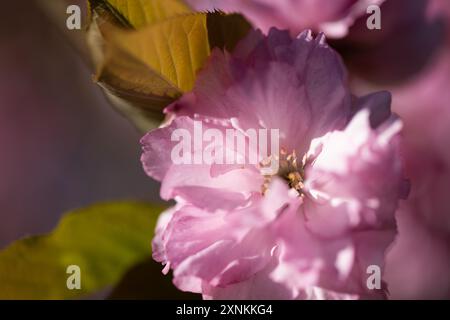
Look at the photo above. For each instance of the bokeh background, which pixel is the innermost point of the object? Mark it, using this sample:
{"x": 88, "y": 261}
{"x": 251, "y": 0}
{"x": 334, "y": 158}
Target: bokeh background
{"x": 62, "y": 146}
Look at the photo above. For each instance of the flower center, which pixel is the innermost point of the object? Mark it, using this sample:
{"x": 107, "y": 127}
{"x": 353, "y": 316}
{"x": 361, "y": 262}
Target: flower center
{"x": 291, "y": 169}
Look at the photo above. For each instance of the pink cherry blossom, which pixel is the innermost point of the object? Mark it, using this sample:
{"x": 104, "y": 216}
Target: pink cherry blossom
{"x": 330, "y": 16}
{"x": 418, "y": 264}
{"x": 308, "y": 231}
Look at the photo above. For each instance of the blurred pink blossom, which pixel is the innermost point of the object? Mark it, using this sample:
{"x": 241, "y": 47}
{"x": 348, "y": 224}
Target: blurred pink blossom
{"x": 418, "y": 263}
{"x": 330, "y": 16}
{"x": 307, "y": 232}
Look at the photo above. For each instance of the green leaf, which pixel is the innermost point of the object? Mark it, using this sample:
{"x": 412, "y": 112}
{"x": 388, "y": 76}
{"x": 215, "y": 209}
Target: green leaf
{"x": 145, "y": 69}
{"x": 139, "y": 13}
{"x": 104, "y": 240}
{"x": 174, "y": 50}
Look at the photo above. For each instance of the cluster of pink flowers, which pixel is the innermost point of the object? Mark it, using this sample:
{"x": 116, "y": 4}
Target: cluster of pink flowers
{"x": 349, "y": 169}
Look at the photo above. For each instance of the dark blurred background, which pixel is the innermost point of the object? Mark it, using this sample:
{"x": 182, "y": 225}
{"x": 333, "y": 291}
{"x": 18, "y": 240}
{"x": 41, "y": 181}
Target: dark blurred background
{"x": 62, "y": 146}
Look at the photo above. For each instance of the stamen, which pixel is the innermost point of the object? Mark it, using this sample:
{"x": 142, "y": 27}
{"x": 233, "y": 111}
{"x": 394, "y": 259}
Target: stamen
{"x": 290, "y": 169}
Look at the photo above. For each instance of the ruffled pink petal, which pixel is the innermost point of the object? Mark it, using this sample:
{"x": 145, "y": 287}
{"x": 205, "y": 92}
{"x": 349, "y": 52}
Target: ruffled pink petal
{"x": 268, "y": 78}
{"x": 304, "y": 257}
{"x": 353, "y": 185}
{"x": 193, "y": 182}
{"x": 258, "y": 287}
{"x": 355, "y": 180}
{"x": 220, "y": 248}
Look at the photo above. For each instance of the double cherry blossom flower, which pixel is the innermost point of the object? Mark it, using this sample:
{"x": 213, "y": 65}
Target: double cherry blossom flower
{"x": 310, "y": 230}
